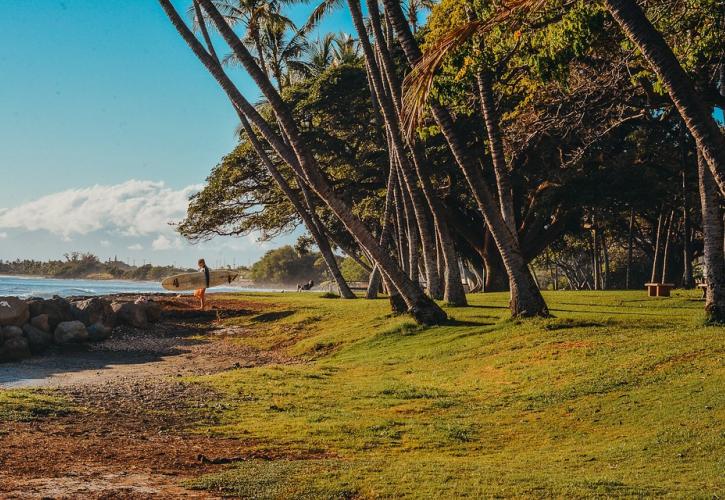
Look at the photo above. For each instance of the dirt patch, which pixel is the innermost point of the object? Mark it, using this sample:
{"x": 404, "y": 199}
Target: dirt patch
{"x": 130, "y": 433}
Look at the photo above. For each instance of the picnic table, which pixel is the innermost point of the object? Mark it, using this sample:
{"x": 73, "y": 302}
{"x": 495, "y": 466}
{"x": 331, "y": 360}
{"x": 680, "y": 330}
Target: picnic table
{"x": 659, "y": 289}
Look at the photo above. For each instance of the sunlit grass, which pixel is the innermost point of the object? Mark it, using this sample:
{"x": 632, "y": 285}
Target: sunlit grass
{"x": 23, "y": 405}
{"x": 618, "y": 394}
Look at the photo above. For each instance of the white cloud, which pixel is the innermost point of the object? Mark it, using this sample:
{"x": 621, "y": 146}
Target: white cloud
{"x": 137, "y": 246}
{"x": 105, "y": 243}
{"x": 164, "y": 243}
{"x": 3, "y": 235}
{"x": 133, "y": 208}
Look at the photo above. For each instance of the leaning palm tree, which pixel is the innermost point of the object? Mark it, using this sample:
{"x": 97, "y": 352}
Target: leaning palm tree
{"x": 526, "y": 298}
{"x": 293, "y": 150}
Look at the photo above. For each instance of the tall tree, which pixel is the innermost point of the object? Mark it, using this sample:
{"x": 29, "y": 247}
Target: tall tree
{"x": 712, "y": 224}
{"x": 298, "y": 156}
{"x": 526, "y": 299}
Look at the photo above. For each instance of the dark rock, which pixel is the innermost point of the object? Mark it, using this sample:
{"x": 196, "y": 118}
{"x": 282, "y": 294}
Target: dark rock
{"x": 70, "y": 331}
{"x": 131, "y": 314}
{"x": 41, "y": 322}
{"x": 153, "y": 311}
{"x": 9, "y": 332}
{"x": 93, "y": 310}
{"x": 15, "y": 349}
{"x": 38, "y": 340}
{"x": 58, "y": 310}
{"x": 99, "y": 331}
{"x": 13, "y": 311}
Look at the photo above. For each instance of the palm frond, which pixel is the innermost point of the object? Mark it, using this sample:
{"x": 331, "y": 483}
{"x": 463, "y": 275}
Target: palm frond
{"x": 324, "y": 8}
{"x": 418, "y": 83}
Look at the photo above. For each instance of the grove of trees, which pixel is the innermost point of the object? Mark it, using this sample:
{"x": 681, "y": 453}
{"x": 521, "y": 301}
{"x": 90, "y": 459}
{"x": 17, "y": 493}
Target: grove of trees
{"x": 519, "y": 145}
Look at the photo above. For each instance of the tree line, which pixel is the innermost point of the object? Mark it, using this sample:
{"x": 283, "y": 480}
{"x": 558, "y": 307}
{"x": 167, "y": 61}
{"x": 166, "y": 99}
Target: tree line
{"x": 87, "y": 265}
{"x": 518, "y": 145}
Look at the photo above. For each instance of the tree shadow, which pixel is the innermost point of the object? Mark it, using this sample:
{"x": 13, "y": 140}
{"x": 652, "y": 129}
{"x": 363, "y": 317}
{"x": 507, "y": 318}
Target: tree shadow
{"x": 482, "y": 306}
{"x": 457, "y": 322}
{"x": 268, "y": 317}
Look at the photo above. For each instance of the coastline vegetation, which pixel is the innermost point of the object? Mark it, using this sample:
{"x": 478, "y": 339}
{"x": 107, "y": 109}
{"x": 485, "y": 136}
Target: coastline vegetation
{"x": 88, "y": 266}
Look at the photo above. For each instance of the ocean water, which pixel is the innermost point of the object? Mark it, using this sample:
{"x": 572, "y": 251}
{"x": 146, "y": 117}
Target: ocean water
{"x": 26, "y": 286}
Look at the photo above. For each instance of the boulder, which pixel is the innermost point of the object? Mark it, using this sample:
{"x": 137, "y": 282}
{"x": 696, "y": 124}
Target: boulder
{"x": 58, "y": 310}
{"x": 130, "y": 314}
{"x": 13, "y": 311}
{"x": 70, "y": 331}
{"x": 14, "y": 349}
{"x": 9, "y": 332}
{"x": 41, "y": 322}
{"x": 98, "y": 331}
{"x": 153, "y": 311}
{"x": 93, "y": 310}
{"x": 38, "y": 339}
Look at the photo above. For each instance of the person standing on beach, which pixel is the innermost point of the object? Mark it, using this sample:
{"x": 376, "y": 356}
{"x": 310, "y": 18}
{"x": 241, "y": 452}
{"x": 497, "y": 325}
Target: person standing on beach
{"x": 201, "y": 292}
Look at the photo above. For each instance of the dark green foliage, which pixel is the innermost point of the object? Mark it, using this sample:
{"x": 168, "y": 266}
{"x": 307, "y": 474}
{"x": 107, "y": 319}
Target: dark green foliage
{"x": 285, "y": 266}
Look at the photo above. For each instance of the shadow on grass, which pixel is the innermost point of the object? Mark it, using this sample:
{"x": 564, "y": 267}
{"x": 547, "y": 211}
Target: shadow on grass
{"x": 271, "y": 316}
{"x": 458, "y": 322}
{"x": 482, "y": 306}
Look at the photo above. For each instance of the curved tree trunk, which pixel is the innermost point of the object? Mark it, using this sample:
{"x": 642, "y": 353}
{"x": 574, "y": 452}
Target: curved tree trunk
{"x": 694, "y": 112}
{"x": 308, "y": 218}
{"x": 390, "y": 116}
{"x": 490, "y": 118}
{"x": 419, "y": 305}
{"x": 312, "y": 225}
{"x": 526, "y": 299}
{"x": 712, "y": 226}
{"x": 452, "y": 292}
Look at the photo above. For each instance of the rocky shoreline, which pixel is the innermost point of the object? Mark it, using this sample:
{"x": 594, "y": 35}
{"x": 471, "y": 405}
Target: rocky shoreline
{"x": 30, "y": 326}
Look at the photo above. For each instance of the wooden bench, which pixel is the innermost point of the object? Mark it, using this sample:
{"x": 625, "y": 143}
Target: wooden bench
{"x": 659, "y": 289}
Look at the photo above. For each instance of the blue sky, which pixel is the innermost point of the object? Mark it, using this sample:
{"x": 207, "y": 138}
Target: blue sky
{"x": 99, "y": 93}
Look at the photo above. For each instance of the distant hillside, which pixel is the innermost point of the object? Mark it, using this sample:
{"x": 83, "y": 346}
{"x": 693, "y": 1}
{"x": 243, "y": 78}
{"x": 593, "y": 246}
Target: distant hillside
{"x": 88, "y": 266}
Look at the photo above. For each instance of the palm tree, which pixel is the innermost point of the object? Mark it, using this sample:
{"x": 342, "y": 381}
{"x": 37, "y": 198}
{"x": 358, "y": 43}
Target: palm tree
{"x": 298, "y": 156}
{"x": 712, "y": 225}
{"x": 346, "y": 49}
{"x": 319, "y": 55}
{"x": 698, "y": 118}
{"x": 307, "y": 214}
{"x": 413, "y": 10}
{"x": 526, "y": 299}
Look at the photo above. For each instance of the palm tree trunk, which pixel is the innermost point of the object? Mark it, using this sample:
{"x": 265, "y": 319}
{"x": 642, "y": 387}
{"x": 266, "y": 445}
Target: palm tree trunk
{"x": 309, "y": 218}
{"x": 490, "y": 118}
{"x": 666, "y": 251}
{"x": 390, "y": 116}
{"x": 411, "y": 230}
{"x": 526, "y": 298}
{"x": 694, "y": 112}
{"x": 712, "y": 225}
{"x": 655, "y": 260}
{"x": 630, "y": 236}
{"x": 453, "y": 292}
{"x": 420, "y": 307}
{"x": 687, "y": 279}
{"x": 605, "y": 254}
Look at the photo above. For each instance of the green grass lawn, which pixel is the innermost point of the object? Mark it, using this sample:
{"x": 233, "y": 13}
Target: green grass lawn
{"x": 618, "y": 395}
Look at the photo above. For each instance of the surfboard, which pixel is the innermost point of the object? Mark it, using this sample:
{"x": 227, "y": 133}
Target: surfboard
{"x": 192, "y": 281}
